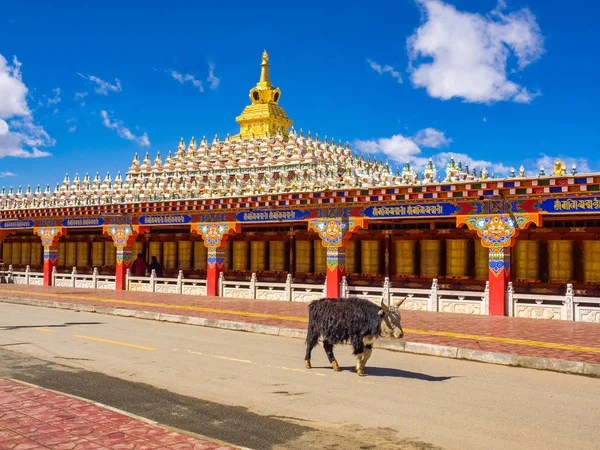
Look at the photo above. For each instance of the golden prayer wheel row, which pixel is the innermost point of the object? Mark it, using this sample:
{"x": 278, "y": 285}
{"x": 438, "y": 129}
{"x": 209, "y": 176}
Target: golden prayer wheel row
{"x": 23, "y": 253}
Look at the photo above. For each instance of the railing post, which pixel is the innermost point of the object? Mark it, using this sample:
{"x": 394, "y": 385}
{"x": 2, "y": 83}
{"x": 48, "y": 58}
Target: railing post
{"x": 485, "y": 310}
{"x": 53, "y": 276}
{"x": 344, "y": 287}
{"x": 179, "y": 281}
{"x": 569, "y": 303}
{"x": 325, "y": 287}
{"x": 73, "y": 276}
{"x": 253, "y": 286}
{"x": 27, "y": 274}
{"x": 95, "y": 278}
{"x": 288, "y": 288}
{"x": 220, "y": 284}
{"x": 153, "y": 281}
{"x": 127, "y": 275}
{"x": 510, "y": 303}
{"x": 386, "y": 291}
{"x": 433, "y": 296}
{"x": 10, "y": 278}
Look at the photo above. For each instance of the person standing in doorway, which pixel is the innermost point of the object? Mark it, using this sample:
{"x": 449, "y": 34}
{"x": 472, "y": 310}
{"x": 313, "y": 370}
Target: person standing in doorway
{"x": 139, "y": 267}
{"x": 155, "y": 265}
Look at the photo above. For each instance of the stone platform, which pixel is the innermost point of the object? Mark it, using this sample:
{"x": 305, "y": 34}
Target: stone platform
{"x": 564, "y": 346}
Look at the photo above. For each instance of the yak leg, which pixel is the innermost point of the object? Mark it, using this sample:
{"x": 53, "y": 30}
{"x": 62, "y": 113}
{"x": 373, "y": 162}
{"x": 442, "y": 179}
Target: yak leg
{"x": 367, "y": 355}
{"x": 328, "y": 346}
{"x": 359, "y": 349}
{"x": 311, "y": 340}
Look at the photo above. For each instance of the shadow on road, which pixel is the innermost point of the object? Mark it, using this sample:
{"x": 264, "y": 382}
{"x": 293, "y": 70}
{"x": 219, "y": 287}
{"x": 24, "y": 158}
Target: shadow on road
{"x": 14, "y": 343}
{"x": 66, "y": 324}
{"x": 394, "y": 373}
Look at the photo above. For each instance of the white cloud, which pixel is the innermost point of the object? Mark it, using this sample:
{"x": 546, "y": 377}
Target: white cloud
{"x": 80, "y": 95}
{"x": 20, "y": 137}
{"x": 182, "y": 78}
{"x": 72, "y": 121}
{"x": 56, "y": 99}
{"x": 13, "y": 91}
{"x": 547, "y": 162}
{"x": 6, "y": 174}
{"x": 103, "y": 87}
{"x": 212, "y": 79}
{"x": 385, "y": 69}
{"x": 466, "y": 54}
{"x": 401, "y": 149}
{"x": 431, "y": 138}
{"x": 72, "y": 128}
{"x": 124, "y": 132}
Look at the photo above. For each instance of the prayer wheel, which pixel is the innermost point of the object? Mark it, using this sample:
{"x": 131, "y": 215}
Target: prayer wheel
{"x": 457, "y": 257}
{"x": 352, "y": 261}
{"x": 240, "y": 255}
{"x": 278, "y": 257}
{"x": 83, "y": 254}
{"x": 482, "y": 257}
{"x": 370, "y": 257}
{"x": 591, "y": 261}
{"x": 62, "y": 253}
{"x": 155, "y": 248}
{"x": 136, "y": 248}
{"x": 560, "y": 260}
{"x": 527, "y": 263}
{"x": 16, "y": 253}
{"x": 200, "y": 255}
{"x": 71, "y": 258}
{"x": 169, "y": 255}
{"x": 320, "y": 257}
{"x": 258, "y": 255}
{"x": 37, "y": 254}
{"x": 110, "y": 254}
{"x": 184, "y": 254}
{"x": 304, "y": 256}
{"x": 7, "y": 253}
{"x": 228, "y": 250}
{"x": 431, "y": 255}
{"x": 405, "y": 257}
{"x": 97, "y": 254}
{"x": 26, "y": 253}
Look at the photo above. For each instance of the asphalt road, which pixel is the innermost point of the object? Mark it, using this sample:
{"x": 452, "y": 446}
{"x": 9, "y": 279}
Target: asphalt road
{"x": 253, "y": 390}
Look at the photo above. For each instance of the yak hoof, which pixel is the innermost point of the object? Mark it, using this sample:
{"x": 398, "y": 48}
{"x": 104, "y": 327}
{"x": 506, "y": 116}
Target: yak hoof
{"x": 360, "y": 372}
{"x": 307, "y": 364}
{"x": 336, "y": 366}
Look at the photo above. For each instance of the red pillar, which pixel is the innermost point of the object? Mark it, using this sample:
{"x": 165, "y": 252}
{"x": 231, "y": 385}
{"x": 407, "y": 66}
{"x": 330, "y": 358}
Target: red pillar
{"x": 214, "y": 267}
{"x": 124, "y": 262}
{"x": 50, "y": 236}
{"x": 336, "y": 269}
{"x": 499, "y": 276}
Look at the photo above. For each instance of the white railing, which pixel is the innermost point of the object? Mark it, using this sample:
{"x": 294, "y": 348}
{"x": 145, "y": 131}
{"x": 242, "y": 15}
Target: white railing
{"x": 77, "y": 280}
{"x": 262, "y": 290}
{"x": 27, "y": 277}
{"x": 179, "y": 285}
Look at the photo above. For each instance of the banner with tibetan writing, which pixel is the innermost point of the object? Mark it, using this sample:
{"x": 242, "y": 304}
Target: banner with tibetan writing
{"x": 178, "y": 219}
{"x": 83, "y": 222}
{"x": 16, "y": 224}
{"x": 571, "y": 205}
{"x": 411, "y": 210}
{"x": 272, "y": 215}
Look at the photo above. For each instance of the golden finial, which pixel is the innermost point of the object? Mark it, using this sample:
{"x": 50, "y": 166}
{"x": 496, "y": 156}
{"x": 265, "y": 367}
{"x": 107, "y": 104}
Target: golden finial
{"x": 265, "y": 76}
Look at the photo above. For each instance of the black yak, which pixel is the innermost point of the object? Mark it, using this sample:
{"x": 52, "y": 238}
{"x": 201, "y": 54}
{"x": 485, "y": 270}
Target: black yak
{"x": 359, "y": 321}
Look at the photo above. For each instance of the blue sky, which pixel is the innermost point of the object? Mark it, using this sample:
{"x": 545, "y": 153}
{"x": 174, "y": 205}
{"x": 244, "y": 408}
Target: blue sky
{"x": 498, "y": 84}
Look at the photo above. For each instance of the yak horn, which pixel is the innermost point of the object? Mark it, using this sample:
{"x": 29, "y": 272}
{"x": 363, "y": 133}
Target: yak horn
{"x": 384, "y": 307}
{"x": 401, "y": 301}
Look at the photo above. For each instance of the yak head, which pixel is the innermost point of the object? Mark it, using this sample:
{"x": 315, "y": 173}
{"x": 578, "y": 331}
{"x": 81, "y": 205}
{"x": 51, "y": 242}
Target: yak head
{"x": 391, "y": 325}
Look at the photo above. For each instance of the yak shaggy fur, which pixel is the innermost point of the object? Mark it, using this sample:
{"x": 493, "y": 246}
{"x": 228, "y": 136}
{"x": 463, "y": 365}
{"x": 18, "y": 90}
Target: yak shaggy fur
{"x": 339, "y": 320}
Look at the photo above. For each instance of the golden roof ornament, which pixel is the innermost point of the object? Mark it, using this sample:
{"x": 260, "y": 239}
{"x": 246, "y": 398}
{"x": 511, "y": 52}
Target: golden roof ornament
{"x": 521, "y": 171}
{"x": 560, "y": 168}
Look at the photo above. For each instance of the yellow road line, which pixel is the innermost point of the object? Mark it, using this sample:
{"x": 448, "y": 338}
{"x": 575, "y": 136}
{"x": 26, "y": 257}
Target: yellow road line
{"x": 233, "y": 359}
{"x": 195, "y": 353}
{"x": 108, "y": 341}
{"x": 45, "y": 330}
{"x": 530, "y": 343}
{"x": 164, "y": 305}
{"x": 553, "y": 345}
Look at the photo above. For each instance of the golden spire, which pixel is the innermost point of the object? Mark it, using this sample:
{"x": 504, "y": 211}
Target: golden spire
{"x": 263, "y": 117}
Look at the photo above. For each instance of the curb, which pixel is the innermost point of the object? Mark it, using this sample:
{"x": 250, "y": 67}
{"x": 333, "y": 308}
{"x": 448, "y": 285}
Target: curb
{"x": 418, "y": 348}
{"x": 128, "y": 414}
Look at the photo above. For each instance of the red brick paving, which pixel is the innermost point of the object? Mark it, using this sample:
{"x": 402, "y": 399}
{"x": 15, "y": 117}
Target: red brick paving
{"x": 557, "y": 332}
{"x": 33, "y": 418}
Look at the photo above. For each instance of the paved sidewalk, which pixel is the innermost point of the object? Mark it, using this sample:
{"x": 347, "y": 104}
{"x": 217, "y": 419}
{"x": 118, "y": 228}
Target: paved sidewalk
{"x": 538, "y": 340}
{"x": 35, "y": 418}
